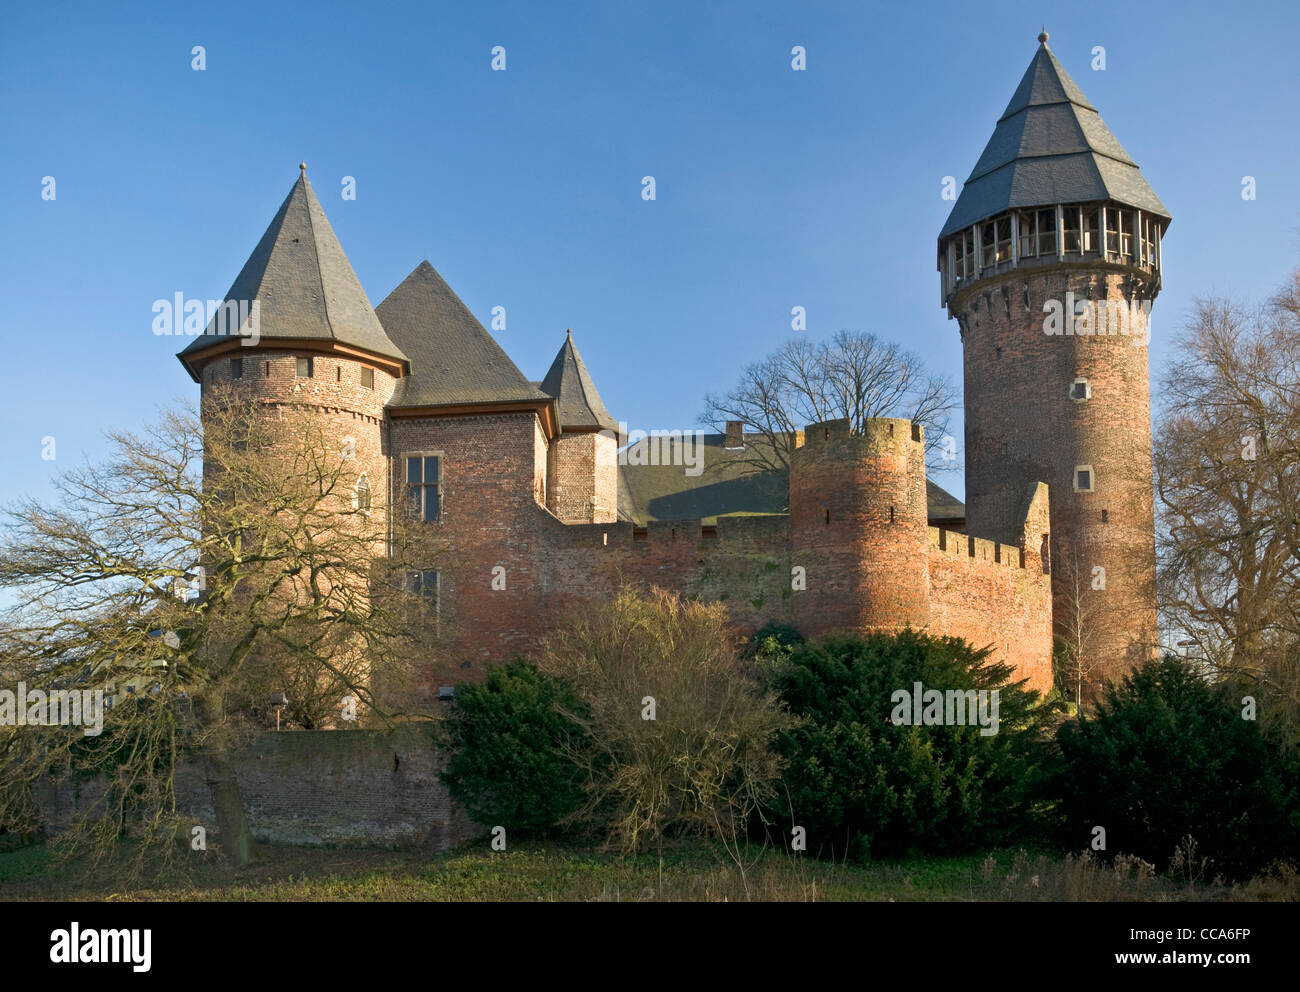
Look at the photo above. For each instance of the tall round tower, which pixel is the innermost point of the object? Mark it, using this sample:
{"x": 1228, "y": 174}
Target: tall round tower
{"x": 1050, "y": 261}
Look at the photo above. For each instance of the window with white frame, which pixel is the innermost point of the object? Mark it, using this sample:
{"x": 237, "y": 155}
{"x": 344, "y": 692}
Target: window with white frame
{"x": 424, "y": 485}
{"x": 1084, "y": 480}
{"x": 1080, "y": 390}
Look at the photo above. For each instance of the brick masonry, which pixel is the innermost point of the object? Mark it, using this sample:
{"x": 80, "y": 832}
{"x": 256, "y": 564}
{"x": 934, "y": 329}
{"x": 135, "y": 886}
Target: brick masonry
{"x": 515, "y": 554}
{"x": 1022, "y": 426}
{"x": 314, "y": 787}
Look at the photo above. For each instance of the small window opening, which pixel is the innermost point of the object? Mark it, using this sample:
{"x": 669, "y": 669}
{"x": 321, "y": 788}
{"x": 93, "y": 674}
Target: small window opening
{"x": 236, "y": 368}
{"x": 304, "y": 368}
{"x": 1083, "y": 479}
{"x": 828, "y": 518}
{"x": 368, "y": 378}
{"x": 266, "y": 369}
{"x": 1105, "y": 516}
{"x": 338, "y": 373}
{"x": 1080, "y": 389}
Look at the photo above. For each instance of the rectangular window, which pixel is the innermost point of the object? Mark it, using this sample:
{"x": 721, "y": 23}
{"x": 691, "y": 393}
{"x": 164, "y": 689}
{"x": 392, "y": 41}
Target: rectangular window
{"x": 1090, "y": 236}
{"x": 1004, "y": 239}
{"x": 424, "y": 487}
{"x": 1083, "y": 480}
{"x": 1028, "y": 243}
{"x": 1047, "y": 232}
{"x": 1125, "y": 224}
{"x": 988, "y": 245}
{"x": 236, "y": 368}
{"x": 368, "y": 378}
{"x": 424, "y": 583}
{"x": 1111, "y": 233}
{"x": 969, "y": 238}
{"x": 1070, "y": 223}
{"x": 266, "y": 369}
{"x": 304, "y": 368}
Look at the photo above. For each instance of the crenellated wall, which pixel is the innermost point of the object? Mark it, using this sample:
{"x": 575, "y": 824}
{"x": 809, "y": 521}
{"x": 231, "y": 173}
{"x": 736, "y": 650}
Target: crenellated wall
{"x": 854, "y": 553}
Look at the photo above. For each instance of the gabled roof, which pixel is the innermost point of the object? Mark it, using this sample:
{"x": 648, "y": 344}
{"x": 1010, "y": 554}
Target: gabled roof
{"x": 454, "y": 360}
{"x": 1050, "y": 146}
{"x": 570, "y": 383}
{"x": 304, "y": 285}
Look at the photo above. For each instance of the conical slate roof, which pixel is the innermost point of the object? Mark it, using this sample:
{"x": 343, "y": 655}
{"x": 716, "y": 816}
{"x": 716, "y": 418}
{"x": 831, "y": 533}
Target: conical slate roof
{"x": 454, "y": 360}
{"x": 569, "y": 382}
{"x": 304, "y": 284}
{"x": 1050, "y": 146}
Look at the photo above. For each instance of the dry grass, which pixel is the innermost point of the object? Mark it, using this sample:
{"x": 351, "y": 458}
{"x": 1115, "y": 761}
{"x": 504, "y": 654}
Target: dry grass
{"x": 689, "y": 872}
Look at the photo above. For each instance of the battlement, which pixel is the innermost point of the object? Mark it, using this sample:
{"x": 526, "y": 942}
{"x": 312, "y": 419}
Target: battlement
{"x": 878, "y": 432}
{"x": 955, "y": 545}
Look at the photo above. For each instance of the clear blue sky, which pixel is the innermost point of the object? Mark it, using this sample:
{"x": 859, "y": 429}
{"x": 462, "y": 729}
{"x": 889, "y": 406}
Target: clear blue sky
{"x": 775, "y": 188}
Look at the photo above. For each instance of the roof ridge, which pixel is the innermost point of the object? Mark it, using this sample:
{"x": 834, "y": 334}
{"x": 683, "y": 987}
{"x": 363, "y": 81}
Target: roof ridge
{"x": 309, "y": 193}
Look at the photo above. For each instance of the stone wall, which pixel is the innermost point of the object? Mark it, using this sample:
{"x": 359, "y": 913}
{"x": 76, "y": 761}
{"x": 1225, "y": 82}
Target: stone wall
{"x": 314, "y": 787}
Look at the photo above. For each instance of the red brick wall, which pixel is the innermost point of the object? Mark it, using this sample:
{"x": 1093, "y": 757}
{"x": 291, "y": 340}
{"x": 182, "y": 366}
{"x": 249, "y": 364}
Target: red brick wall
{"x": 346, "y": 410}
{"x": 877, "y": 565}
{"x": 858, "y": 526}
{"x": 1022, "y": 427}
{"x": 584, "y": 478}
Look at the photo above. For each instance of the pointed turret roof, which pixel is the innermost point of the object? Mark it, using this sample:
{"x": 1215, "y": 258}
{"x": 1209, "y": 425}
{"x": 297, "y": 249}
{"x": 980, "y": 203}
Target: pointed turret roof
{"x": 1050, "y": 146}
{"x": 304, "y": 285}
{"x": 454, "y": 360}
{"x": 569, "y": 382}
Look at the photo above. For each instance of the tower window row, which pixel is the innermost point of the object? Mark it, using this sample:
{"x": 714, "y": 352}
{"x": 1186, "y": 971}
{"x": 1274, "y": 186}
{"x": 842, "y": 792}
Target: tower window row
{"x": 1106, "y": 231}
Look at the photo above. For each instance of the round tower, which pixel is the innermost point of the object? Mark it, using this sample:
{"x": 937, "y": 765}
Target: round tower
{"x": 296, "y": 333}
{"x": 858, "y": 527}
{"x": 1050, "y": 262}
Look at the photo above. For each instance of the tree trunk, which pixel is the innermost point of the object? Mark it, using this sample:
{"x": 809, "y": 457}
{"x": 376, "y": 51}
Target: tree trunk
{"x": 234, "y": 836}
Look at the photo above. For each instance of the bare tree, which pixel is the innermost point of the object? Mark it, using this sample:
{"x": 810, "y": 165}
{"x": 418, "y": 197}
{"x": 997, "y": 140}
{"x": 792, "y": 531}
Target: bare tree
{"x": 1227, "y": 459}
{"x": 1079, "y": 622}
{"x": 854, "y": 377}
{"x": 294, "y": 591}
{"x": 679, "y": 730}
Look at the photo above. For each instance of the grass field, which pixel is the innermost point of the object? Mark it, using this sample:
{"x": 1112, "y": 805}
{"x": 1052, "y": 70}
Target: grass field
{"x": 691, "y": 871}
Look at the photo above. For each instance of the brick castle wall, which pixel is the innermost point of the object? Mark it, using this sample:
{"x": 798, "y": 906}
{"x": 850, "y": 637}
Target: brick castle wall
{"x": 318, "y": 787}
{"x": 872, "y": 567}
{"x": 1023, "y": 427}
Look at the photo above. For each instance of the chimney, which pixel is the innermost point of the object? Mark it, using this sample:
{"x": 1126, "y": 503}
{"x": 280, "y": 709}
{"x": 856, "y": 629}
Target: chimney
{"x": 735, "y": 434}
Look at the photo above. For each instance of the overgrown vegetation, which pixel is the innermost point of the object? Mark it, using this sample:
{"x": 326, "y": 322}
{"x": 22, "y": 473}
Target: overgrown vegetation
{"x": 864, "y": 786}
{"x": 1178, "y": 772}
{"x": 511, "y": 741}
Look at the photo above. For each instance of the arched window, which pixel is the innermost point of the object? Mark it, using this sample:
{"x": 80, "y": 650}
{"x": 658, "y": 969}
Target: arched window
{"x": 361, "y": 494}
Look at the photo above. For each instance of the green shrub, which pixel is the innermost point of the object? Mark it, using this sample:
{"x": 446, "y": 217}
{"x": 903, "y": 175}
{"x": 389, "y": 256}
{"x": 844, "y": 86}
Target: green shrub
{"x": 863, "y": 786}
{"x": 508, "y": 740}
{"x": 1167, "y": 756}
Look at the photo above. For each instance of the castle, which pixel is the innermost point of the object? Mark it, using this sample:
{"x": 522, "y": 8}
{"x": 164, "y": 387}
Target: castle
{"x": 531, "y": 485}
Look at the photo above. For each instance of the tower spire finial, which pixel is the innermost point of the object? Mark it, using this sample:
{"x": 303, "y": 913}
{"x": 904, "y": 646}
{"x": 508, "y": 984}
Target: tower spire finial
{"x": 302, "y": 170}
{"x": 1043, "y": 36}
